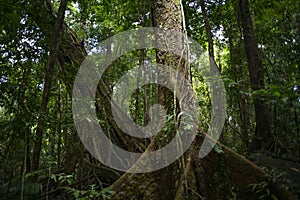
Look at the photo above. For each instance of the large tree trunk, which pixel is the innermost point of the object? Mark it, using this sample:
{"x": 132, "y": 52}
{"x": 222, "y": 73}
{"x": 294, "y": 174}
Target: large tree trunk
{"x": 164, "y": 183}
{"x": 262, "y": 136}
{"x": 218, "y": 176}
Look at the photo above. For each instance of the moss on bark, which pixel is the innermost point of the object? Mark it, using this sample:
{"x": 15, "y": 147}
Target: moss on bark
{"x": 226, "y": 175}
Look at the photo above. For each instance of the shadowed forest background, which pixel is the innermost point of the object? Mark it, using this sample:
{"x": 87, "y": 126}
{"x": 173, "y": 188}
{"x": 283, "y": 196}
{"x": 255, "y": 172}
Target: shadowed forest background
{"x": 255, "y": 45}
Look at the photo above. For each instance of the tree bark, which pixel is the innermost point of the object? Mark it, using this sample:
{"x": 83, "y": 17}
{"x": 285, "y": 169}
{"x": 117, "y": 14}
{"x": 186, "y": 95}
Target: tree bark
{"x": 262, "y": 137}
{"x": 164, "y": 183}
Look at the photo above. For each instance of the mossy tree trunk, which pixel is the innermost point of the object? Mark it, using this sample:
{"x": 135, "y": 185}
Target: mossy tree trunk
{"x": 164, "y": 183}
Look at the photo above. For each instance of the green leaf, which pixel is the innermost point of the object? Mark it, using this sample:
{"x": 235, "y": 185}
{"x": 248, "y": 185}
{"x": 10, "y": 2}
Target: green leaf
{"x": 218, "y": 149}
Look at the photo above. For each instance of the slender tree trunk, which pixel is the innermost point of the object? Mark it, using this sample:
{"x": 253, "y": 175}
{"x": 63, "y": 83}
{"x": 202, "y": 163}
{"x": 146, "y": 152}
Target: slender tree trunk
{"x": 25, "y": 162}
{"x": 59, "y": 129}
{"x": 48, "y": 82}
{"x": 214, "y": 70}
{"x": 207, "y": 30}
{"x": 27, "y": 116}
{"x": 237, "y": 63}
{"x": 262, "y": 136}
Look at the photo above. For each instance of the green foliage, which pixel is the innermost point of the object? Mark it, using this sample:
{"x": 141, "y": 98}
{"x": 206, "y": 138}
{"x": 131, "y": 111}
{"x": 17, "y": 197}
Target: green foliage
{"x": 218, "y": 149}
{"x": 92, "y": 193}
{"x": 262, "y": 189}
{"x": 63, "y": 178}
